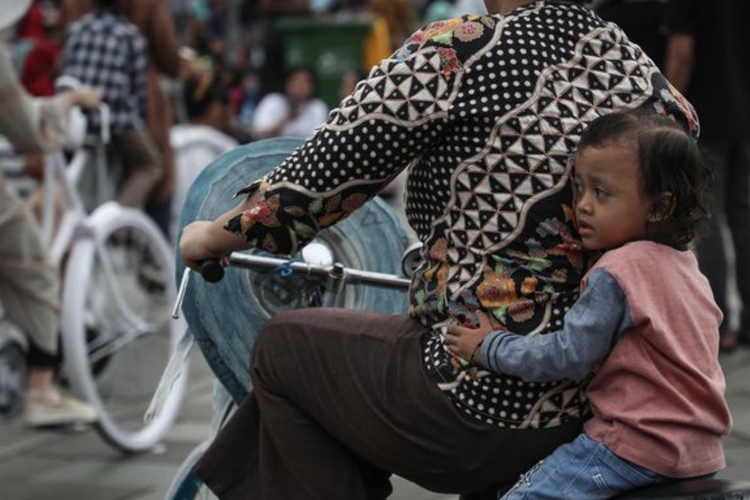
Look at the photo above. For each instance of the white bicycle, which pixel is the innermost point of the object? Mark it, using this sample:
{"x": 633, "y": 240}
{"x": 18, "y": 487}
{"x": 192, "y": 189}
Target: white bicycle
{"x": 117, "y": 296}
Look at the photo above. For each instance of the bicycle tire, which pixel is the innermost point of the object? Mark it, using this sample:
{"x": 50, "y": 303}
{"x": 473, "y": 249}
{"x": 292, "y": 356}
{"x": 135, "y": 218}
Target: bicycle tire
{"x": 112, "y": 363}
{"x": 226, "y": 339}
{"x": 13, "y": 376}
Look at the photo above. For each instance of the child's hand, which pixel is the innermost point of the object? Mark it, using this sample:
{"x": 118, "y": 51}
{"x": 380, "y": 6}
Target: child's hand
{"x": 463, "y": 341}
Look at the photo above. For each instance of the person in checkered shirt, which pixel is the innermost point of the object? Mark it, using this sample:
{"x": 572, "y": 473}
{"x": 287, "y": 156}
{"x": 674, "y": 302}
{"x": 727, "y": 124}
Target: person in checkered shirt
{"x": 104, "y": 50}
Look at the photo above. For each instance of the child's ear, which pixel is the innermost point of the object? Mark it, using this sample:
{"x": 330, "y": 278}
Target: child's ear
{"x": 662, "y": 207}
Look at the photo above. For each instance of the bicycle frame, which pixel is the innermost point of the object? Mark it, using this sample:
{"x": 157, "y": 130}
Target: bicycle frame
{"x": 75, "y": 222}
{"x": 74, "y": 214}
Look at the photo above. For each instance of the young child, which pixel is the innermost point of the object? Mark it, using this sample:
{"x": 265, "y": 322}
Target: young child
{"x": 646, "y": 323}
{"x": 104, "y": 50}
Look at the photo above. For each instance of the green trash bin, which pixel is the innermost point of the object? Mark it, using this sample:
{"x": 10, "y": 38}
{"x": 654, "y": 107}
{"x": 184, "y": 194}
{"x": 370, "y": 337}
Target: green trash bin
{"x": 330, "y": 48}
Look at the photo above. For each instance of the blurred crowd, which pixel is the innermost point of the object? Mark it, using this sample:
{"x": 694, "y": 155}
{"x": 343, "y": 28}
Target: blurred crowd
{"x": 216, "y": 70}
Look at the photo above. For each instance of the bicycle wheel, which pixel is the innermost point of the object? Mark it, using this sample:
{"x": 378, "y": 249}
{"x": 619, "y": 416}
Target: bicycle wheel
{"x": 372, "y": 238}
{"x": 13, "y": 375}
{"x": 117, "y": 328}
{"x": 13, "y": 369}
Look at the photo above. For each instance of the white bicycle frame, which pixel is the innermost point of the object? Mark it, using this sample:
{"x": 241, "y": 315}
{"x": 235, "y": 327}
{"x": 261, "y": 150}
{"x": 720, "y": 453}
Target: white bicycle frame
{"x": 75, "y": 223}
{"x": 56, "y": 171}
{"x": 81, "y": 239}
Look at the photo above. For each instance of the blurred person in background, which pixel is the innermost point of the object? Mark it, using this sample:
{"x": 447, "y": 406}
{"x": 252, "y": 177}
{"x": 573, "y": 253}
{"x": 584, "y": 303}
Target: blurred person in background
{"x": 208, "y": 29}
{"x": 29, "y": 282}
{"x": 271, "y": 66}
{"x": 440, "y": 10}
{"x": 247, "y": 97}
{"x": 707, "y": 60}
{"x": 42, "y": 25}
{"x": 154, "y": 20}
{"x": 41, "y": 28}
{"x": 198, "y": 27}
{"x": 644, "y": 21}
{"x": 200, "y": 140}
{"x": 294, "y": 112}
{"x": 103, "y": 50}
{"x": 400, "y": 16}
{"x": 463, "y": 7}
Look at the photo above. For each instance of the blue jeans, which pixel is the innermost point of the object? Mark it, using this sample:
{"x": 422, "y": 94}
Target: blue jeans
{"x": 581, "y": 470}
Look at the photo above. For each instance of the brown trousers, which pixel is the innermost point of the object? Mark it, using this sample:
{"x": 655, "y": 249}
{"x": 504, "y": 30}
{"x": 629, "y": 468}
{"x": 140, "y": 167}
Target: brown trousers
{"x": 141, "y": 165}
{"x": 340, "y": 401}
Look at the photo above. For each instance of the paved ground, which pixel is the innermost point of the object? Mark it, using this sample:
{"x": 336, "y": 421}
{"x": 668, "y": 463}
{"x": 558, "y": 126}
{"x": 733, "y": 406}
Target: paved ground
{"x": 49, "y": 465}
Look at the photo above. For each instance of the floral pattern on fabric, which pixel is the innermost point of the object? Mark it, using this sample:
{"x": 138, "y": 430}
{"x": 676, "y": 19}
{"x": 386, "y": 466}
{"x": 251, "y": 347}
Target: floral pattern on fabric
{"x": 672, "y": 104}
{"x": 446, "y": 33}
{"x": 282, "y": 229}
{"x": 484, "y": 120}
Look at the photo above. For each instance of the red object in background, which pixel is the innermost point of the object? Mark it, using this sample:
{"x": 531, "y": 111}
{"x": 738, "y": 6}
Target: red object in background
{"x": 40, "y": 68}
{"x": 32, "y": 24}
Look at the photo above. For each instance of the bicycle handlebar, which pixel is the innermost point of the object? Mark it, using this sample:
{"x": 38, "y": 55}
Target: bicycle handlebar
{"x": 212, "y": 270}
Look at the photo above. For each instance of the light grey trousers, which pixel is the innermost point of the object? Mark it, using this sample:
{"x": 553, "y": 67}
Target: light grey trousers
{"x": 29, "y": 283}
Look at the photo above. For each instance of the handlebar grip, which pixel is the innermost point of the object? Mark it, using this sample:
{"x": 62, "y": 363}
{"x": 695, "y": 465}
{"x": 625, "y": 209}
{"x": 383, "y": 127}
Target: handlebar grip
{"x": 212, "y": 271}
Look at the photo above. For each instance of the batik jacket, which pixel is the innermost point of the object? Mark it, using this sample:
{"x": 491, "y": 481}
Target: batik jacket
{"x": 483, "y": 111}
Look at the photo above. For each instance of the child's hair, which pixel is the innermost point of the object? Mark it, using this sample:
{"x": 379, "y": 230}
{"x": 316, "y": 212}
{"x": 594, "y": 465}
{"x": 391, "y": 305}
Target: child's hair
{"x": 670, "y": 162}
{"x": 108, "y": 4}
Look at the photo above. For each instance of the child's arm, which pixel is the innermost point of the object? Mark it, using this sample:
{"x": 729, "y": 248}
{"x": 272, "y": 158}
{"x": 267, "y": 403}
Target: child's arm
{"x": 590, "y": 330}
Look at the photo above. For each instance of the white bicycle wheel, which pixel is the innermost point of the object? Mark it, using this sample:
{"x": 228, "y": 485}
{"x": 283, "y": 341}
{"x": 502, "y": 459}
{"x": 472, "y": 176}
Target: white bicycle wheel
{"x": 117, "y": 330}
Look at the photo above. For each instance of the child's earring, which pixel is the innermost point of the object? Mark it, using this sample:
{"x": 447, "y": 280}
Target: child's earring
{"x": 662, "y": 209}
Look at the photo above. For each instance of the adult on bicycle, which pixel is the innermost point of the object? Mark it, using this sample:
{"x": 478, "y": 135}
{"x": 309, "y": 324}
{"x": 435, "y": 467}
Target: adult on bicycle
{"x": 29, "y": 283}
{"x": 484, "y": 111}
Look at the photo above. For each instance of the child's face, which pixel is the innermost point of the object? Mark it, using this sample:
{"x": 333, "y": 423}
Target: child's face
{"x": 611, "y": 209}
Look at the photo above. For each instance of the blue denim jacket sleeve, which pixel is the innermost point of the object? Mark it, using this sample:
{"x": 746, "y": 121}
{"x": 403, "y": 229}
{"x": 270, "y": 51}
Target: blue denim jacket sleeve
{"x": 591, "y": 328}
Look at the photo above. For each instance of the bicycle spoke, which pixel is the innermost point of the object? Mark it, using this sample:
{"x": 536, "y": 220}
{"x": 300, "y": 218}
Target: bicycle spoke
{"x": 127, "y": 306}
{"x": 114, "y": 339}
